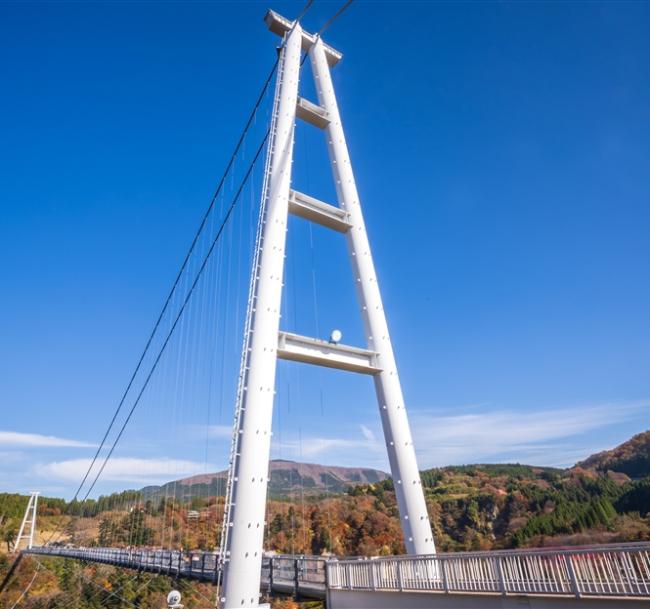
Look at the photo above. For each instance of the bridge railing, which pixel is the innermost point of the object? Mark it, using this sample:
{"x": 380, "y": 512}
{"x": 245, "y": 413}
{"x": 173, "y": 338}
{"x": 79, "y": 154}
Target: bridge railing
{"x": 297, "y": 573}
{"x": 599, "y": 571}
{"x": 195, "y": 564}
{"x": 289, "y": 573}
{"x": 618, "y": 571}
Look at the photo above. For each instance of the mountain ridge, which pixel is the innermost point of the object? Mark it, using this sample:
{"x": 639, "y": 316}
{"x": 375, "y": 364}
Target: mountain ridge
{"x": 631, "y": 458}
{"x": 285, "y": 477}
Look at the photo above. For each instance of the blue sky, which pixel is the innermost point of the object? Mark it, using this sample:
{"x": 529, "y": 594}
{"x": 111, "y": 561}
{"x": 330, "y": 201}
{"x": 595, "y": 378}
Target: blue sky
{"x": 501, "y": 152}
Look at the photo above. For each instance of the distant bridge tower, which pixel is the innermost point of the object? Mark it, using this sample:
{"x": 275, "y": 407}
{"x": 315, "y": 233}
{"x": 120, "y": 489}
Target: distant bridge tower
{"x": 264, "y": 343}
{"x": 29, "y": 522}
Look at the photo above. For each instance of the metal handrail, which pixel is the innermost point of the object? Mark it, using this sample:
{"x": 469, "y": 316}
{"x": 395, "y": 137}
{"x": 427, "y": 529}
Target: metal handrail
{"x": 305, "y": 573}
{"x": 620, "y": 570}
{"x": 642, "y": 545}
{"x": 616, "y": 570}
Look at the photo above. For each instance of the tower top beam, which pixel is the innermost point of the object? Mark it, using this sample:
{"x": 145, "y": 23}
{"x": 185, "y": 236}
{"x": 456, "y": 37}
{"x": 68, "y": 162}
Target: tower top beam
{"x": 281, "y": 25}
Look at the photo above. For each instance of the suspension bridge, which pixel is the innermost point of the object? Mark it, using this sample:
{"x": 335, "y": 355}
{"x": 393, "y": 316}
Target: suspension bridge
{"x": 241, "y": 570}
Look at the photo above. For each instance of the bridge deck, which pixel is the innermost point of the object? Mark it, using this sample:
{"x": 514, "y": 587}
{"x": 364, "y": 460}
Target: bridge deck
{"x": 599, "y": 572}
{"x": 296, "y": 575}
{"x": 621, "y": 571}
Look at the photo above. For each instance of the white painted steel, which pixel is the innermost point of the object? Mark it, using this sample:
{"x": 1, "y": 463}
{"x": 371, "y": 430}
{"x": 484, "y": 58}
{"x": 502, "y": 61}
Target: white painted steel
{"x": 418, "y": 537}
{"x": 311, "y": 113}
{"x": 29, "y": 521}
{"x": 249, "y": 473}
{"x": 323, "y": 353}
{"x": 281, "y": 25}
{"x": 242, "y": 535}
{"x": 316, "y": 211}
{"x": 247, "y": 340}
{"x": 599, "y": 571}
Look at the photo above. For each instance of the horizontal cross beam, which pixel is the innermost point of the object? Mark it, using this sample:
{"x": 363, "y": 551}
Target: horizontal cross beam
{"x": 308, "y": 350}
{"x": 312, "y": 113}
{"x": 317, "y": 211}
{"x": 280, "y": 25}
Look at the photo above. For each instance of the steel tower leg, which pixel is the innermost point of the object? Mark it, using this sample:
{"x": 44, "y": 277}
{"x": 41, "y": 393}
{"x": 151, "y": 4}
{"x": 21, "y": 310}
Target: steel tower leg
{"x": 243, "y": 561}
{"x": 29, "y": 519}
{"x": 418, "y": 537}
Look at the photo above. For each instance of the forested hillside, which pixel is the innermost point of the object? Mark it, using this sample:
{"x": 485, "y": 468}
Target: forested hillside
{"x": 472, "y": 507}
{"x": 631, "y": 458}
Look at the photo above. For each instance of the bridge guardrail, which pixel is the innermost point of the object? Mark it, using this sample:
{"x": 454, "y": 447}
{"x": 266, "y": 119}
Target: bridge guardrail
{"x": 606, "y": 571}
{"x": 300, "y": 574}
{"x": 303, "y": 575}
{"x": 193, "y": 564}
{"x": 613, "y": 571}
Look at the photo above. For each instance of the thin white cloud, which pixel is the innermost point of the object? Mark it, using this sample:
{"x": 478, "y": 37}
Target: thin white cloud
{"x": 313, "y": 446}
{"x": 124, "y": 469}
{"x": 535, "y": 437}
{"x": 220, "y": 431}
{"x": 15, "y": 438}
{"x": 553, "y": 437}
{"x": 11, "y": 456}
{"x": 317, "y": 446}
{"x": 342, "y": 451}
{"x": 368, "y": 434}
{"x": 193, "y": 431}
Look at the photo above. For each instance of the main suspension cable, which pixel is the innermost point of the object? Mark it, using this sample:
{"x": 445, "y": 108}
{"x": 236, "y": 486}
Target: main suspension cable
{"x": 334, "y": 17}
{"x": 188, "y": 255}
{"x": 181, "y": 311}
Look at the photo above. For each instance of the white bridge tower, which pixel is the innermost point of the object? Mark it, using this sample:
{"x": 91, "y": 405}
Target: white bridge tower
{"x": 28, "y": 526}
{"x": 264, "y": 342}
